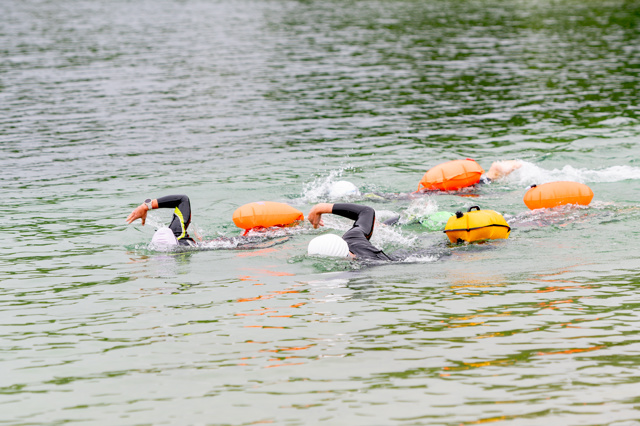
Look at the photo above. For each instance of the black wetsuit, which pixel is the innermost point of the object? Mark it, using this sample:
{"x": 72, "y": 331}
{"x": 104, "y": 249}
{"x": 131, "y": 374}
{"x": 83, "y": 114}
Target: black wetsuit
{"x": 181, "y": 216}
{"x": 358, "y": 237}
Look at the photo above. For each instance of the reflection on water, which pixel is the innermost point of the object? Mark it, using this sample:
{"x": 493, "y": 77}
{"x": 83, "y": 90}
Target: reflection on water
{"x": 463, "y": 71}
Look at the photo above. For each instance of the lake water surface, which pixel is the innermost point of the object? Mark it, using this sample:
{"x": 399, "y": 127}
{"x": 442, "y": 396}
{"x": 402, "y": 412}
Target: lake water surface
{"x": 106, "y": 103}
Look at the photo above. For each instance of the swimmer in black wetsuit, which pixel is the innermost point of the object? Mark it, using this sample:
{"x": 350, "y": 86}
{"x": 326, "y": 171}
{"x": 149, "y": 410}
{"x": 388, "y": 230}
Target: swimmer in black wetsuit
{"x": 176, "y": 234}
{"x": 357, "y": 238}
{"x": 181, "y": 215}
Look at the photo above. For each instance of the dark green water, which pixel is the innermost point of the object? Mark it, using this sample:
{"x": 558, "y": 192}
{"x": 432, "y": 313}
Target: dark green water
{"x": 103, "y": 104}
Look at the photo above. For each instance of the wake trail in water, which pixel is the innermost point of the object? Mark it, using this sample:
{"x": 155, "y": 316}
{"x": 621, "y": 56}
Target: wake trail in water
{"x": 530, "y": 174}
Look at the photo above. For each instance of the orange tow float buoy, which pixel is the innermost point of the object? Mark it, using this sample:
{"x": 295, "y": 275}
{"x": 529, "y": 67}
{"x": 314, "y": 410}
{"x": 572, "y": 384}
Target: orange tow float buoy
{"x": 265, "y": 214}
{"x": 555, "y": 194}
{"x": 451, "y": 175}
{"x": 476, "y": 225}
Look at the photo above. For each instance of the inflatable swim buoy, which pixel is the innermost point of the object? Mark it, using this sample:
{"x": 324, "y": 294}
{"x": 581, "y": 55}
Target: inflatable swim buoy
{"x": 451, "y": 175}
{"x": 265, "y": 214}
{"x": 476, "y": 225}
{"x": 555, "y": 194}
{"x": 435, "y": 221}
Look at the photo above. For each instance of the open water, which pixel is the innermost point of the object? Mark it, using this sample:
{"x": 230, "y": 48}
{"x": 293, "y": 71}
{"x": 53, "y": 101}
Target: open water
{"x": 106, "y": 103}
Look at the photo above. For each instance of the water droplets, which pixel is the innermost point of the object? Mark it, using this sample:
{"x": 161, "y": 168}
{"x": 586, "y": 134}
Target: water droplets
{"x": 330, "y": 188}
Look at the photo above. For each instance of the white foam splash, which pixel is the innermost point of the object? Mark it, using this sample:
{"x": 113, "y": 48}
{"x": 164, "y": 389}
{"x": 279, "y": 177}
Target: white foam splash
{"x": 220, "y": 244}
{"x": 420, "y": 259}
{"x": 530, "y": 174}
{"x": 382, "y": 215}
{"x": 419, "y": 208}
{"x": 161, "y": 247}
{"x": 383, "y": 235}
{"x": 154, "y": 221}
{"x": 330, "y": 188}
{"x": 389, "y": 235}
{"x": 545, "y": 217}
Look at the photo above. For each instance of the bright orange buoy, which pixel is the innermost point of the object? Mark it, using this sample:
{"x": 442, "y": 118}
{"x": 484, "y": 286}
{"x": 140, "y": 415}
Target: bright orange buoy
{"x": 265, "y": 214}
{"x": 451, "y": 175}
{"x": 555, "y": 194}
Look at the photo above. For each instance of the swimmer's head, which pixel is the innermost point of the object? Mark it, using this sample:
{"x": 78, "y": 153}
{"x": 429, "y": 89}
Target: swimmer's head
{"x": 164, "y": 237}
{"x": 342, "y": 189}
{"x": 328, "y": 245}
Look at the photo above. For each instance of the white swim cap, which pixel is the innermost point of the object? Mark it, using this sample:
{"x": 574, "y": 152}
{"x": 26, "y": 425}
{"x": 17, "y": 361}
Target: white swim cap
{"x": 164, "y": 237}
{"x": 343, "y": 188}
{"x": 328, "y": 245}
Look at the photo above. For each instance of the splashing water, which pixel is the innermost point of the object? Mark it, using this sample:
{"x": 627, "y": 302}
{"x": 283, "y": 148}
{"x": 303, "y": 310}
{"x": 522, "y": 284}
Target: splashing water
{"x": 530, "y": 174}
{"x": 545, "y": 217}
{"x": 384, "y": 236}
{"x": 419, "y": 208}
{"x": 154, "y": 222}
{"x": 330, "y": 188}
{"x": 421, "y": 259}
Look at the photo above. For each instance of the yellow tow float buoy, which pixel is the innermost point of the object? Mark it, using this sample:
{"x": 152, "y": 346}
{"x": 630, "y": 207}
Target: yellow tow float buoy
{"x": 475, "y": 225}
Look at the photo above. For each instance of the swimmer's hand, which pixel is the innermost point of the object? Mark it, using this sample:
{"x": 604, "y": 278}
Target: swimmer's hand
{"x": 139, "y": 212}
{"x": 315, "y": 215}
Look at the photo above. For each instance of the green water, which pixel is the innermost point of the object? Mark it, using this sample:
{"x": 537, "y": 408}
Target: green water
{"x": 103, "y": 104}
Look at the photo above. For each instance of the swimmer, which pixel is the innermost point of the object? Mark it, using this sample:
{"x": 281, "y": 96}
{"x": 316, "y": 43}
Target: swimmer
{"x": 179, "y": 222}
{"x": 498, "y": 170}
{"x": 176, "y": 234}
{"x": 355, "y": 242}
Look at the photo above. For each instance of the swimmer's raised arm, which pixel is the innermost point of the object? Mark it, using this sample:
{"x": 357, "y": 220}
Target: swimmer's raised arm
{"x": 181, "y": 202}
{"x": 315, "y": 215}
